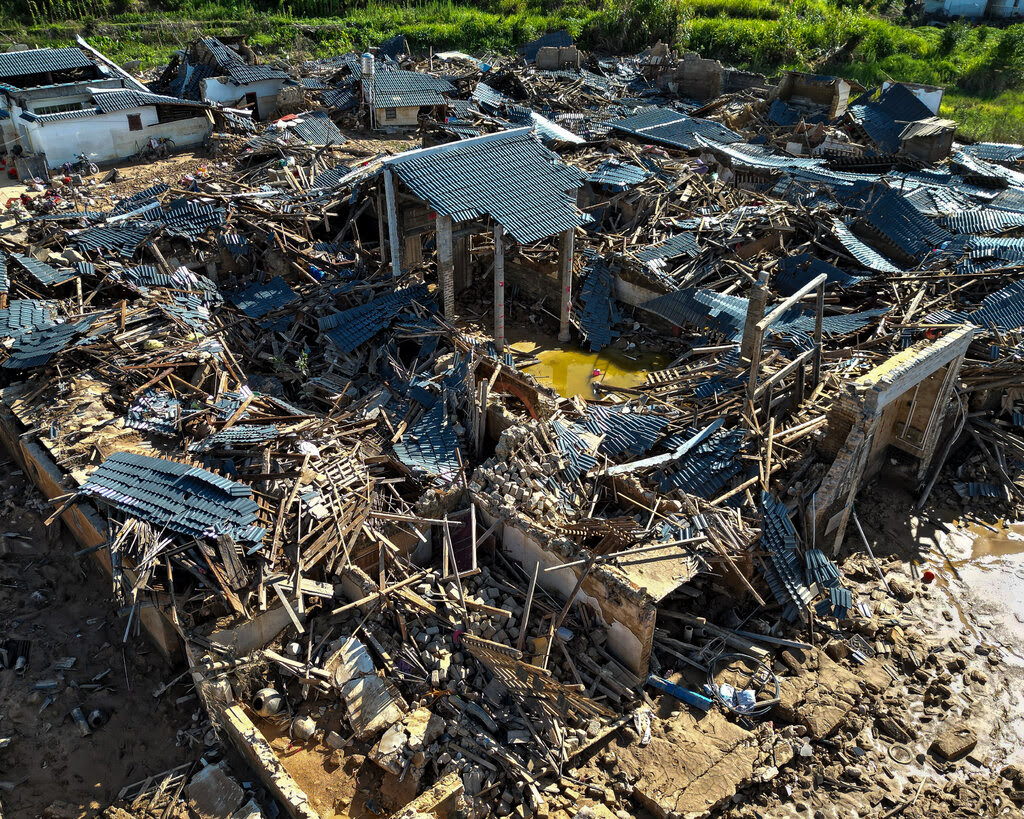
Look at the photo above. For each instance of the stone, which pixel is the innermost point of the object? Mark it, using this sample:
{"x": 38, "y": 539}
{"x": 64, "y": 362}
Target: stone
{"x": 955, "y": 742}
{"x": 212, "y": 793}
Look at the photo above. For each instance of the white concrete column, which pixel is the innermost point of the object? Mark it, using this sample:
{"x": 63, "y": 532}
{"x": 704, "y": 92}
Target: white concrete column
{"x": 389, "y": 191}
{"x": 446, "y": 265}
{"x": 566, "y": 246}
{"x": 499, "y": 288}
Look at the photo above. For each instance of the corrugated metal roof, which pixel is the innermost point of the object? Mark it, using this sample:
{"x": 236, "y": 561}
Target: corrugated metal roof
{"x": 42, "y": 61}
{"x": 406, "y": 89}
{"x": 350, "y": 329}
{"x": 782, "y": 570}
{"x": 902, "y": 224}
{"x": 701, "y": 309}
{"x": 489, "y": 100}
{"x": 617, "y": 175}
{"x": 796, "y": 271}
{"x": 882, "y": 128}
{"x": 870, "y": 258}
{"x": 429, "y": 446}
{"x": 596, "y": 311}
{"x": 191, "y": 219}
{"x": 185, "y": 499}
{"x": 139, "y": 199}
{"x": 674, "y": 129}
{"x": 995, "y": 151}
{"x": 36, "y": 348}
{"x": 5, "y": 280}
{"x": 706, "y": 469}
{"x": 42, "y": 272}
{"x": 123, "y": 239}
{"x": 624, "y": 431}
{"x": 983, "y": 220}
{"x": 682, "y": 244}
{"x": 509, "y": 176}
{"x": 317, "y": 128}
{"x": 1004, "y": 308}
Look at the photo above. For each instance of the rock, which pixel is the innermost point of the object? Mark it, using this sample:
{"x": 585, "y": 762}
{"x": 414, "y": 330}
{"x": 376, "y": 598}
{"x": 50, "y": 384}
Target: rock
{"x": 212, "y": 793}
{"x": 1015, "y": 773}
{"x": 954, "y": 743}
{"x": 60, "y": 810}
{"x": 900, "y": 587}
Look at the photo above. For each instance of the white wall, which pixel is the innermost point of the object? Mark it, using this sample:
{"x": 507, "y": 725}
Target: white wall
{"x": 223, "y": 91}
{"x": 931, "y": 97}
{"x": 106, "y": 137}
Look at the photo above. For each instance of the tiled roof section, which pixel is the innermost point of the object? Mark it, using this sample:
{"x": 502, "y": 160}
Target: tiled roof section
{"x": 25, "y": 315}
{"x": 188, "y": 82}
{"x": 191, "y": 219}
{"x": 674, "y": 129}
{"x": 349, "y": 329}
{"x": 36, "y": 348}
{"x": 313, "y": 83}
{"x": 488, "y": 98}
{"x": 820, "y": 569}
{"x": 429, "y": 446}
{"x": 123, "y": 99}
{"x": 1004, "y": 308}
{"x": 556, "y": 39}
{"x": 548, "y": 131}
{"x": 635, "y": 433}
{"x": 240, "y": 72}
{"x": 122, "y": 239}
{"x": 758, "y": 157}
{"x": 236, "y": 243}
{"x": 260, "y": 298}
{"x": 702, "y": 309}
{"x": 42, "y": 272}
{"x": 185, "y": 499}
{"x": 618, "y": 176}
{"x": 900, "y": 103}
{"x": 240, "y": 435}
{"x": 406, "y": 89}
{"x": 574, "y": 449}
{"x": 42, "y": 61}
{"x": 58, "y": 116}
{"x": 596, "y": 311}
{"x": 995, "y": 151}
{"x": 782, "y": 569}
{"x": 508, "y": 176}
{"x": 344, "y": 98}
{"x": 982, "y": 220}
{"x": 155, "y": 411}
{"x": 682, "y": 244}
{"x": 795, "y": 271}
{"x": 708, "y": 467}
{"x": 882, "y": 128}
{"x": 5, "y": 279}
{"x": 139, "y": 199}
{"x": 903, "y": 225}
{"x": 317, "y": 128}
{"x": 866, "y": 256}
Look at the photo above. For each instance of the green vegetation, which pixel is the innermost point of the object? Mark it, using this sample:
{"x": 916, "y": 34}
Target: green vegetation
{"x": 982, "y": 66}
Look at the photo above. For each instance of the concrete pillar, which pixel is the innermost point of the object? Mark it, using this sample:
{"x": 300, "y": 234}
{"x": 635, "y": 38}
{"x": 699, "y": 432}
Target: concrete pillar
{"x": 446, "y": 265}
{"x": 758, "y": 299}
{"x": 389, "y": 191}
{"x": 566, "y": 246}
{"x": 499, "y": 288}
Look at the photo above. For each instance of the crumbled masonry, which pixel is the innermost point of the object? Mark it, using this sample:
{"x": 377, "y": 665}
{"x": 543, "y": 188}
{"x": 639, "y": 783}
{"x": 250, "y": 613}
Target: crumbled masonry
{"x": 285, "y": 401}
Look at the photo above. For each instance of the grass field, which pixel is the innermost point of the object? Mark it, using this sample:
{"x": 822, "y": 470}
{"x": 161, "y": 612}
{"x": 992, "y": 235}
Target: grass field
{"x": 982, "y": 66}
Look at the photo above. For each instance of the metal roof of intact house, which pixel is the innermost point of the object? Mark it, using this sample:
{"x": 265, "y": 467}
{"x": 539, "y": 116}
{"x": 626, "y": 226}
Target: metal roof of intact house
{"x": 508, "y": 176}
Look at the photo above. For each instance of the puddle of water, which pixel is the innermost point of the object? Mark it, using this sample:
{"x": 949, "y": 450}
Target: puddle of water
{"x": 570, "y": 371}
{"x": 1008, "y": 540}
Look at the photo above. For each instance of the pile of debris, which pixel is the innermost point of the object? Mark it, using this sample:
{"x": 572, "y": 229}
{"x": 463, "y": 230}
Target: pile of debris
{"x": 267, "y": 396}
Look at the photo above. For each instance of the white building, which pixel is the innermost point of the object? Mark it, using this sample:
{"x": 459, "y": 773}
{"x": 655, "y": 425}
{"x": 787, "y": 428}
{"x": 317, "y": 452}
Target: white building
{"x": 61, "y": 102}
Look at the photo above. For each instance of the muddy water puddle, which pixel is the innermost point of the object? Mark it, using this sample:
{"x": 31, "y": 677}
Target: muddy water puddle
{"x": 571, "y": 371}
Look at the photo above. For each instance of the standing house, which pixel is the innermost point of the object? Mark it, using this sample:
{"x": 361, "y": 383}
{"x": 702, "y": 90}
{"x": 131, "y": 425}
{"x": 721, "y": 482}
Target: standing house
{"x": 225, "y": 73}
{"x": 975, "y": 8}
{"x": 62, "y": 102}
{"x": 505, "y": 182}
{"x": 398, "y": 96}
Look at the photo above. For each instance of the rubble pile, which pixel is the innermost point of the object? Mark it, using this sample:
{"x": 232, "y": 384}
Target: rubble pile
{"x": 283, "y": 400}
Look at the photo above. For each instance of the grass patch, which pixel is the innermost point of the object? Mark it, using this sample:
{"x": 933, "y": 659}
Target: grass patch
{"x": 982, "y": 66}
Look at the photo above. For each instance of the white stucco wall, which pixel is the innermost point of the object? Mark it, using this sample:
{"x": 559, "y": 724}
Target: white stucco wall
{"x": 107, "y": 138}
{"x": 222, "y": 91}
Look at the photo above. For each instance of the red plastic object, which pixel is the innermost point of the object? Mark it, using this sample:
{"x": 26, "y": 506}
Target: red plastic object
{"x": 928, "y": 576}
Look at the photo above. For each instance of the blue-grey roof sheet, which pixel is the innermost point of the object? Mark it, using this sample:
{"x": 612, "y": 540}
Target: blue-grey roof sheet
{"x": 184, "y": 499}
{"x": 675, "y": 129}
{"x": 42, "y": 272}
{"x": 406, "y": 89}
{"x": 508, "y": 176}
{"x": 866, "y": 256}
{"x": 41, "y": 61}
{"x": 617, "y": 175}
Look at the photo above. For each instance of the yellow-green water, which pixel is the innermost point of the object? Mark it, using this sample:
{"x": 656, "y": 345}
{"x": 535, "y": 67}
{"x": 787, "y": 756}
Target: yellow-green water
{"x": 570, "y": 371}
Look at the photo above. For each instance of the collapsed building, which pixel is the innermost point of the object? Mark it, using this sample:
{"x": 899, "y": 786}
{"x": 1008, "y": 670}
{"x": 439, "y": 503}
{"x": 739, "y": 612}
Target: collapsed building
{"x": 289, "y": 419}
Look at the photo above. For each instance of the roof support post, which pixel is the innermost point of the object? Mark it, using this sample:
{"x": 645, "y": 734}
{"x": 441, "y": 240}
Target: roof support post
{"x": 757, "y": 300}
{"x": 566, "y": 246}
{"x": 819, "y": 317}
{"x": 446, "y": 264}
{"x": 499, "y": 288}
{"x": 389, "y": 192}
